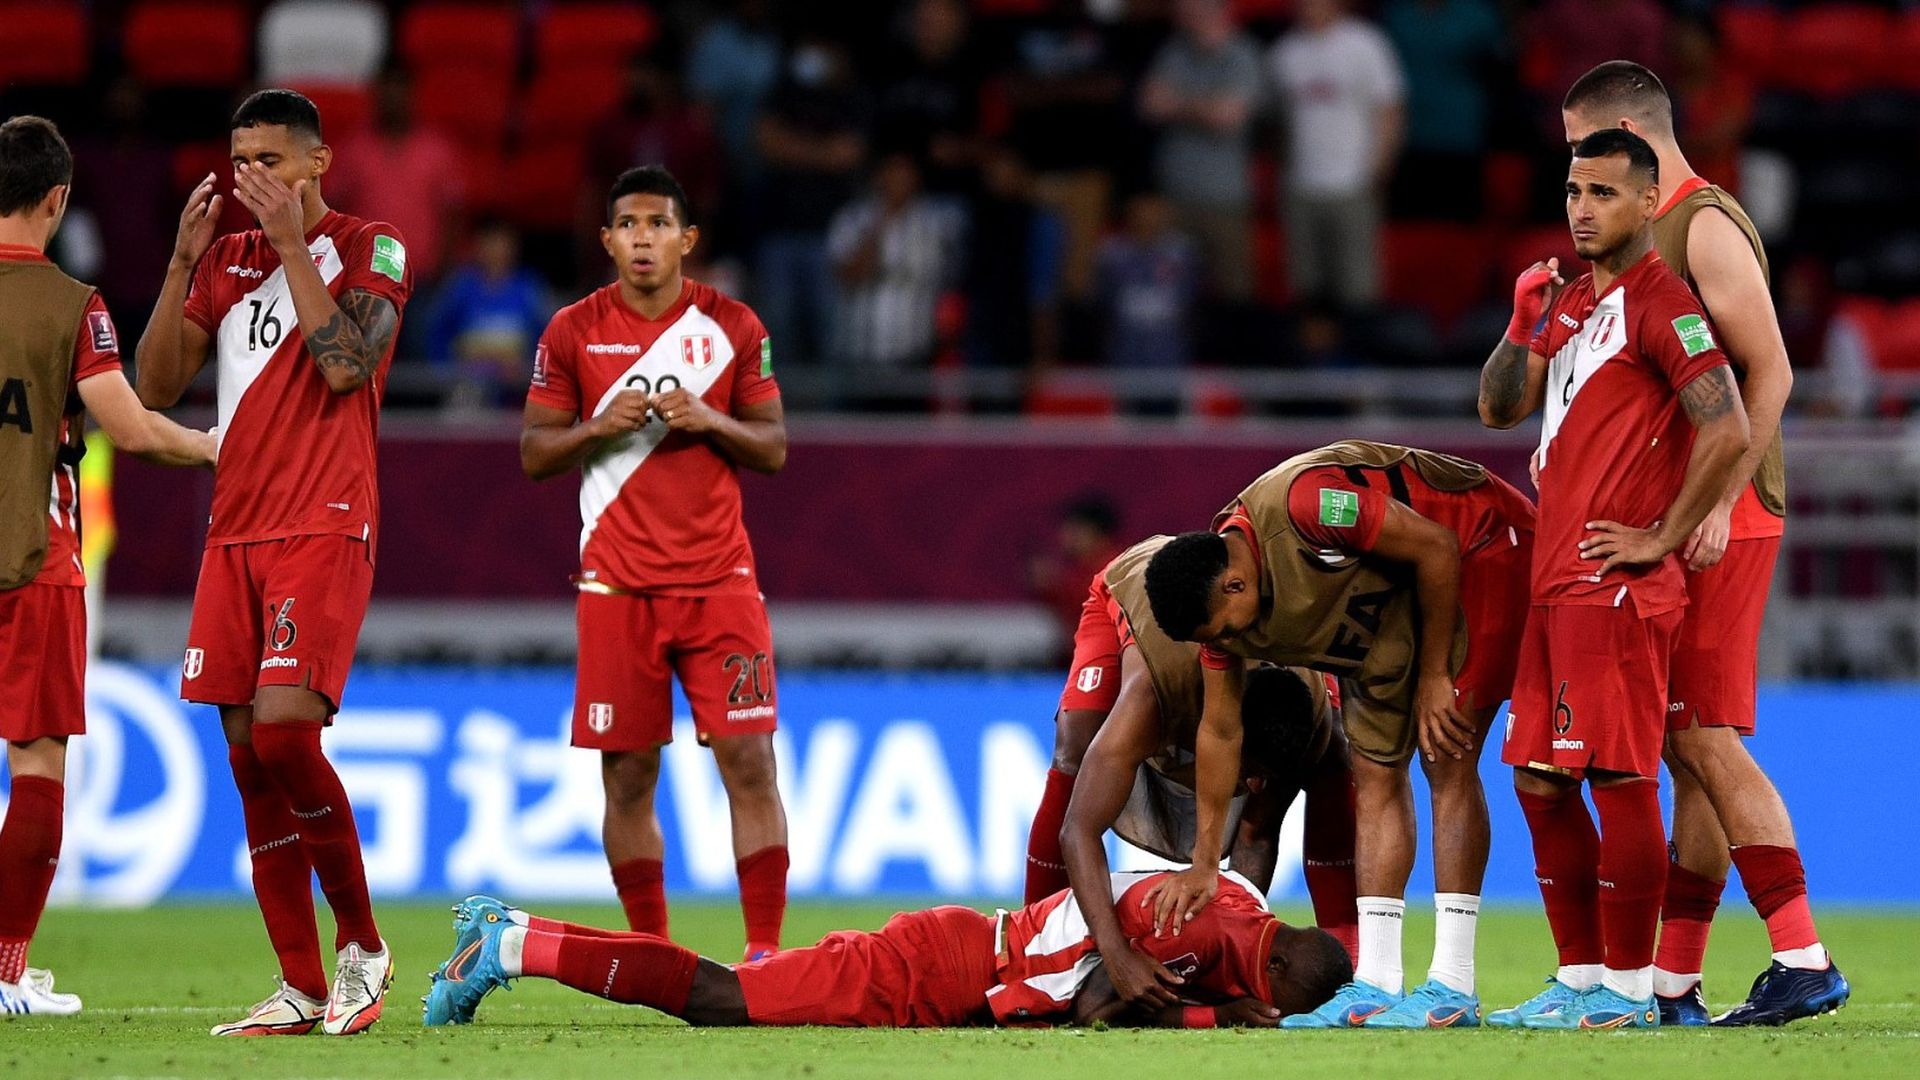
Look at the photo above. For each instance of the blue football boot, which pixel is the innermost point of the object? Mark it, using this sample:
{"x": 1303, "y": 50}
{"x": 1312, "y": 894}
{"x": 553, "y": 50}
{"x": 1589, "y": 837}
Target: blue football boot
{"x": 473, "y": 971}
{"x": 1782, "y": 995}
{"x": 1432, "y": 1004}
{"x": 1598, "y": 1009}
{"x": 1353, "y": 1005}
{"x": 1556, "y": 996}
{"x": 1684, "y": 1010}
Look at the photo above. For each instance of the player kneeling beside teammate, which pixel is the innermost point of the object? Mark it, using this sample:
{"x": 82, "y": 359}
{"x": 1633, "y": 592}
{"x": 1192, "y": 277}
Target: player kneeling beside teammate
{"x": 947, "y": 966}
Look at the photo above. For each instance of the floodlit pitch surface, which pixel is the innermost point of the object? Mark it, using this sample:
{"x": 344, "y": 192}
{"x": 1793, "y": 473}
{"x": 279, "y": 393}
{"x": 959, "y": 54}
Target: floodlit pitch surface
{"x": 154, "y": 981}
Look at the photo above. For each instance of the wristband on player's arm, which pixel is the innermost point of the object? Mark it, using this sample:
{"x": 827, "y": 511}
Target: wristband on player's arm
{"x": 1199, "y": 1016}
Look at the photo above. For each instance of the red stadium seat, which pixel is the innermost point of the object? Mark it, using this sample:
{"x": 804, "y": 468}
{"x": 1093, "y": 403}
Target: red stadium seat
{"x": 1507, "y": 186}
{"x": 343, "y": 109}
{"x": 43, "y": 44}
{"x": 1898, "y": 345}
{"x": 1834, "y": 50}
{"x": 541, "y": 185}
{"x": 569, "y": 102}
{"x": 1072, "y": 394}
{"x": 471, "y": 105}
{"x": 1269, "y": 262}
{"x": 189, "y": 43}
{"x": 1903, "y": 52}
{"x": 471, "y": 36}
{"x": 594, "y": 34}
{"x": 1750, "y": 36}
{"x": 1439, "y": 268}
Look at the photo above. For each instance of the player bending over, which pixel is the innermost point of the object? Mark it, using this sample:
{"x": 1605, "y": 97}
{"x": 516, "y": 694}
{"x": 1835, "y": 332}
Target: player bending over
{"x": 1403, "y": 571}
{"x": 58, "y": 356}
{"x": 1643, "y": 428}
{"x": 948, "y": 966}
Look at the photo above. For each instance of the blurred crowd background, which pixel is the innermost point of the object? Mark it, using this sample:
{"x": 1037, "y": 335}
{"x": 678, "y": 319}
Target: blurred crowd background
{"x": 1056, "y": 207}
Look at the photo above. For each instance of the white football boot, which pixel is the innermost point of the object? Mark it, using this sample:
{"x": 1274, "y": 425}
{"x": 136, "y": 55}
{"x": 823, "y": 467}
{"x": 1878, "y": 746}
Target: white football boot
{"x": 33, "y": 996}
{"x": 360, "y": 981}
{"x": 286, "y": 1011}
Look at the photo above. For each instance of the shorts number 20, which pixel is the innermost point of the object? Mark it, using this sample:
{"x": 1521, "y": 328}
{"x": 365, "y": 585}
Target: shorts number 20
{"x": 752, "y": 678}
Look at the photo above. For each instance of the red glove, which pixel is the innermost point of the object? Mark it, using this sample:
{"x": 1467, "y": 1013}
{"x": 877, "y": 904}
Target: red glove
{"x": 1532, "y": 291}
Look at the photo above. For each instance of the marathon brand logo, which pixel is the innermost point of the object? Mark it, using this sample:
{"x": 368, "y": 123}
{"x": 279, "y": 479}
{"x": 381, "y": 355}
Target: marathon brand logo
{"x": 1695, "y": 335}
{"x": 1563, "y": 722}
{"x": 248, "y": 272}
{"x": 279, "y": 662}
{"x": 757, "y": 712}
{"x": 621, "y": 348}
{"x": 100, "y": 325}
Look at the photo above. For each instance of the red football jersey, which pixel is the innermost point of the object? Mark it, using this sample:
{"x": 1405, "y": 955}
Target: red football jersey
{"x": 1046, "y": 950}
{"x": 96, "y": 350}
{"x": 1616, "y": 439}
{"x": 659, "y": 510}
{"x": 296, "y": 458}
{"x": 1342, "y": 509}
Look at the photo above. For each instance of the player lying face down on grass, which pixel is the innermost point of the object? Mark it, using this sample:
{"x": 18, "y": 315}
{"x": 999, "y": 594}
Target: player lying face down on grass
{"x": 1403, "y": 572}
{"x": 947, "y": 966}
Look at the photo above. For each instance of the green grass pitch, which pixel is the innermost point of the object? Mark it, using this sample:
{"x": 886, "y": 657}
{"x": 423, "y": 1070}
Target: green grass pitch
{"x": 155, "y": 980}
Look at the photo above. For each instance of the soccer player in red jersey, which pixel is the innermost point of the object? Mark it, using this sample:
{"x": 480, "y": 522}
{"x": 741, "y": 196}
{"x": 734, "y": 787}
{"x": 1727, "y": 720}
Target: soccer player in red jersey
{"x": 59, "y": 355}
{"x": 1643, "y": 429}
{"x": 300, "y": 315}
{"x": 658, "y": 388}
{"x": 944, "y": 967}
{"x": 1725, "y": 809}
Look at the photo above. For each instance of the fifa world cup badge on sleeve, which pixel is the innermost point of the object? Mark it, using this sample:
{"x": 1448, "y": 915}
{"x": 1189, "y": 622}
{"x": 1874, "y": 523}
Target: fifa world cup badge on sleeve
{"x": 389, "y": 256}
{"x": 1696, "y": 336}
{"x": 1339, "y": 508}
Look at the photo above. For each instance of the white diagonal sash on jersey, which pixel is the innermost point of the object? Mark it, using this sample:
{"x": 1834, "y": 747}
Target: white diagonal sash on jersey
{"x": 1599, "y": 339}
{"x": 240, "y": 351}
{"x": 608, "y": 470}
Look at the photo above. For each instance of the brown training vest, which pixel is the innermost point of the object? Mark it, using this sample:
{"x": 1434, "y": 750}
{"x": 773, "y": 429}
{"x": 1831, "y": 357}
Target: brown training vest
{"x": 42, "y": 309}
{"x": 1670, "y": 240}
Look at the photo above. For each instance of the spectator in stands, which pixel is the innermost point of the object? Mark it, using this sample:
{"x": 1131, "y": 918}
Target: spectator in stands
{"x": 1087, "y": 540}
{"x": 486, "y": 318}
{"x": 813, "y": 141}
{"x": 121, "y": 181}
{"x": 1149, "y": 277}
{"x": 1065, "y": 91}
{"x": 733, "y": 65}
{"x": 1201, "y": 93}
{"x": 1450, "y": 50}
{"x": 405, "y": 175}
{"x": 895, "y": 251}
{"x": 1342, "y": 92}
{"x": 653, "y": 125}
{"x": 1015, "y": 246}
{"x": 930, "y": 99}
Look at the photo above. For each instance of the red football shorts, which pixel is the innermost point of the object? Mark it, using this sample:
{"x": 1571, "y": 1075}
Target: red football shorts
{"x": 923, "y": 969}
{"x": 43, "y": 662}
{"x": 1591, "y": 690}
{"x": 1495, "y": 592}
{"x": 631, "y": 647}
{"x": 1093, "y": 683}
{"x": 1716, "y": 655}
{"x": 276, "y": 613}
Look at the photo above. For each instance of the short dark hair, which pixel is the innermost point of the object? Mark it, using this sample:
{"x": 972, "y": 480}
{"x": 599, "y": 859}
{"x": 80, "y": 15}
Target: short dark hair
{"x": 34, "y": 160}
{"x": 1622, "y": 88}
{"x": 650, "y": 180}
{"x": 277, "y": 107}
{"x": 1180, "y": 579}
{"x": 1276, "y": 716}
{"x": 1317, "y": 967}
{"x": 1608, "y": 142}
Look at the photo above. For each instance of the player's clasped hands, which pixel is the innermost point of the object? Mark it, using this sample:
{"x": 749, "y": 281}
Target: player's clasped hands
{"x": 1623, "y": 545}
{"x": 684, "y": 410}
{"x": 1177, "y": 898}
{"x": 626, "y": 412}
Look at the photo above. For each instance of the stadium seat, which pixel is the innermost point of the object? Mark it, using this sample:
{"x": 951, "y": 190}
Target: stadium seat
{"x": 322, "y": 41}
{"x": 476, "y": 36}
{"x": 1749, "y": 34}
{"x": 43, "y": 44}
{"x": 568, "y": 102}
{"x": 469, "y": 104}
{"x": 1439, "y": 268}
{"x": 344, "y": 109}
{"x": 541, "y": 185}
{"x": 1903, "y": 54}
{"x": 594, "y": 34}
{"x": 188, "y": 43}
{"x": 1071, "y": 394}
{"x": 1835, "y": 49}
{"x": 1898, "y": 347}
{"x": 1506, "y": 186}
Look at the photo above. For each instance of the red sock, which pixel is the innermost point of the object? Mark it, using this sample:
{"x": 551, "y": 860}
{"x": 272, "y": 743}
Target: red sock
{"x": 1686, "y": 915}
{"x": 1046, "y": 867}
{"x": 282, "y": 876}
{"x": 763, "y": 897}
{"x": 1777, "y": 885}
{"x": 1327, "y": 859}
{"x": 1566, "y": 860}
{"x": 632, "y": 969}
{"x": 558, "y": 926}
{"x": 1633, "y": 871}
{"x": 642, "y": 885}
{"x": 29, "y": 853}
{"x": 290, "y": 752}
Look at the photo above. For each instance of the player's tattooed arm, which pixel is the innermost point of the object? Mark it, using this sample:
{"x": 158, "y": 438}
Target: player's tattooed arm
{"x": 348, "y": 345}
{"x": 1512, "y": 385}
{"x": 1711, "y": 396}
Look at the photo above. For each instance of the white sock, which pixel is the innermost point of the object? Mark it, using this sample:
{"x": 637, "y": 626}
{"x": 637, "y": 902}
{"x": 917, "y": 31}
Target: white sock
{"x": 518, "y": 917}
{"x": 513, "y": 941}
{"x": 1636, "y": 984}
{"x": 1813, "y": 957}
{"x": 1579, "y": 977}
{"x": 1672, "y": 984}
{"x": 1380, "y": 921}
{"x": 1456, "y": 917}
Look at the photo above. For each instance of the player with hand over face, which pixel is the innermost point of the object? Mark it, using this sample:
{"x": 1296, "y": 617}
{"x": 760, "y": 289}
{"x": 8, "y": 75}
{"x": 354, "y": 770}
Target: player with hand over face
{"x": 59, "y": 357}
{"x": 1642, "y": 431}
{"x": 658, "y": 388}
